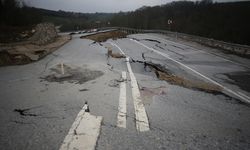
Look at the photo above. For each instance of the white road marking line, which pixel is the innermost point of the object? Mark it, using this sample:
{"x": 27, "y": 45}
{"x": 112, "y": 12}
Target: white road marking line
{"x": 62, "y": 68}
{"x": 122, "y": 109}
{"x": 140, "y": 112}
{"x": 142, "y": 123}
{"x": 83, "y": 133}
{"x": 117, "y": 47}
{"x": 210, "y": 53}
{"x": 241, "y": 96}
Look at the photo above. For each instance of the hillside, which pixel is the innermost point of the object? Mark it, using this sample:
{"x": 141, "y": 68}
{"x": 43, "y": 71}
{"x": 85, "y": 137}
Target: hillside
{"x": 221, "y": 21}
{"x": 72, "y": 20}
{"x": 17, "y": 20}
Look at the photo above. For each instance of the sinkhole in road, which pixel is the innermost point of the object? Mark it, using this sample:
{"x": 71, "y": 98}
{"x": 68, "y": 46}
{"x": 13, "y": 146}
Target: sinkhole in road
{"x": 71, "y": 74}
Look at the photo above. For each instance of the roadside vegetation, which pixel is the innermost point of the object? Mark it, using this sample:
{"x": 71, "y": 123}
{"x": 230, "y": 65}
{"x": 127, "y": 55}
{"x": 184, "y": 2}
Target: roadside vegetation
{"x": 221, "y": 21}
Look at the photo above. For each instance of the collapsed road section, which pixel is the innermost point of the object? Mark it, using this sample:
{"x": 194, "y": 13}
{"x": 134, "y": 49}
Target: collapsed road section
{"x": 241, "y": 96}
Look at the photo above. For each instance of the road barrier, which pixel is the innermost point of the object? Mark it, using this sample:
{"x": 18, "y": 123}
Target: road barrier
{"x": 231, "y": 47}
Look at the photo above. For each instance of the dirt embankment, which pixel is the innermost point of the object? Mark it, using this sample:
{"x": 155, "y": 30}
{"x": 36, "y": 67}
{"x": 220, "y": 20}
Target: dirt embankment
{"x": 163, "y": 73}
{"x": 102, "y": 37}
{"x": 44, "y": 41}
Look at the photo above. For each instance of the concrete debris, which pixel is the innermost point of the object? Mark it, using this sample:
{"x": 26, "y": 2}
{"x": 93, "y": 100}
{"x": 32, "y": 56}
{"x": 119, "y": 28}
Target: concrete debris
{"x": 115, "y": 55}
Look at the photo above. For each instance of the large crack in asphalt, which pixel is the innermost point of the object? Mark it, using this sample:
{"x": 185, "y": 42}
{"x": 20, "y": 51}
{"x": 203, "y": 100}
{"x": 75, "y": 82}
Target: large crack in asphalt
{"x": 167, "y": 75}
{"x": 163, "y": 73}
{"x": 25, "y": 112}
{"x": 152, "y": 40}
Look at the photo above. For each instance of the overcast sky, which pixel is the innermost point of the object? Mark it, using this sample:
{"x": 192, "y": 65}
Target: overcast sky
{"x": 97, "y": 5}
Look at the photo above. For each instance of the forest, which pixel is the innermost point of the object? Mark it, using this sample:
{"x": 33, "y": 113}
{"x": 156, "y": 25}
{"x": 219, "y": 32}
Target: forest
{"x": 222, "y": 21}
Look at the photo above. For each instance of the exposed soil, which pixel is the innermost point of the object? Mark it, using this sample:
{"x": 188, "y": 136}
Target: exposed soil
{"x": 102, "y": 37}
{"x": 71, "y": 74}
{"x": 202, "y": 86}
{"x": 164, "y": 74}
{"x": 25, "y": 52}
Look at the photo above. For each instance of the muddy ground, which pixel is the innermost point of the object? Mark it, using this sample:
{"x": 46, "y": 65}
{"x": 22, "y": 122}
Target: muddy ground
{"x": 71, "y": 74}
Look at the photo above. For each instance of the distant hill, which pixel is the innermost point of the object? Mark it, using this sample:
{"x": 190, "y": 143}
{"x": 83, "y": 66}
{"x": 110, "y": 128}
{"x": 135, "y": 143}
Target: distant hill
{"x": 16, "y": 19}
{"x": 12, "y": 14}
{"x": 72, "y": 20}
{"x": 222, "y": 21}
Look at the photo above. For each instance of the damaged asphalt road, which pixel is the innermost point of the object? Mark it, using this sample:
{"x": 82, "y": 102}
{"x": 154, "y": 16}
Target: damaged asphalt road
{"x": 43, "y": 104}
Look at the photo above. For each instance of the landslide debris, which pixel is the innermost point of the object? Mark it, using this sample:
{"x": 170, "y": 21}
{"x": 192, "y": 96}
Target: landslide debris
{"x": 44, "y": 33}
{"x": 44, "y": 41}
{"x": 104, "y": 36}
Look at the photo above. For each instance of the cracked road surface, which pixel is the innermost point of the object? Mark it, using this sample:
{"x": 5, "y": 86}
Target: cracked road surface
{"x": 148, "y": 100}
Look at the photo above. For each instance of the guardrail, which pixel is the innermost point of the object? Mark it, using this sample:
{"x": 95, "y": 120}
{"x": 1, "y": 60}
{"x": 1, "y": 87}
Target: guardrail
{"x": 232, "y": 47}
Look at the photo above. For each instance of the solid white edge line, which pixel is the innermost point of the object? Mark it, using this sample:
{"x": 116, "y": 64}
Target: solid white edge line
{"x": 212, "y": 54}
{"x": 242, "y": 96}
{"x": 84, "y": 132}
{"x": 142, "y": 123}
{"x": 121, "y": 117}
